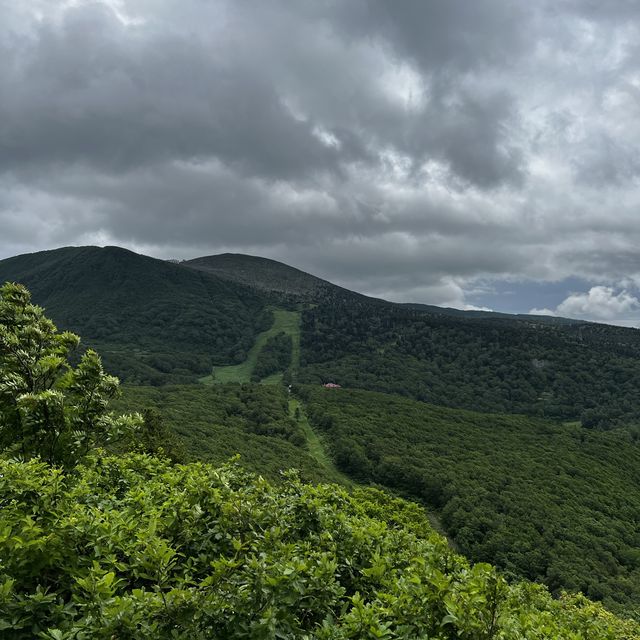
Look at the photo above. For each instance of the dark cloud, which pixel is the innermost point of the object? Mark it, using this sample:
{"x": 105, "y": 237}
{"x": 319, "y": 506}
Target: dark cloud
{"x": 614, "y": 11}
{"x": 91, "y": 91}
{"x": 410, "y": 149}
{"x": 444, "y": 37}
{"x": 606, "y": 161}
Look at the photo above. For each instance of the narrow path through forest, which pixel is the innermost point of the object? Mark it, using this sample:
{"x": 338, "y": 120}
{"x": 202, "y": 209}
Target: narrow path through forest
{"x": 318, "y": 451}
{"x": 315, "y": 445}
{"x": 289, "y": 323}
{"x": 283, "y": 322}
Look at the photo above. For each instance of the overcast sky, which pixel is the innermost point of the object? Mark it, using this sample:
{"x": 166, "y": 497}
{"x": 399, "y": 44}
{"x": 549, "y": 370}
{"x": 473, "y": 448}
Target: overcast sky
{"x": 454, "y": 152}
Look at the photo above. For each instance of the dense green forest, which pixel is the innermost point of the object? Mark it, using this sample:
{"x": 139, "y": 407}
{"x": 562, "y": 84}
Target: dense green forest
{"x": 274, "y": 357}
{"x": 557, "y": 504}
{"x": 156, "y": 322}
{"x": 567, "y": 371}
{"x": 153, "y": 322}
{"x": 537, "y": 498}
{"x": 134, "y": 546}
{"x": 217, "y": 422}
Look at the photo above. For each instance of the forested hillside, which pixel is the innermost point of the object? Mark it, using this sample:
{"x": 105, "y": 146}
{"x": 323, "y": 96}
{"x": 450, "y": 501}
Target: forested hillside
{"x": 154, "y": 322}
{"x": 557, "y": 504}
{"x": 159, "y": 323}
{"x": 218, "y": 422}
{"x": 553, "y": 503}
{"x": 568, "y": 371}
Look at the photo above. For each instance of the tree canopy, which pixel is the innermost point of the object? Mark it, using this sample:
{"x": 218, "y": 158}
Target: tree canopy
{"x": 49, "y": 408}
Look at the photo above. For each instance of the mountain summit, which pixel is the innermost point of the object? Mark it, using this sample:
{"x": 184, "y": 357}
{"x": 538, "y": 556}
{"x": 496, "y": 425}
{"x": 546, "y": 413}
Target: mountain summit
{"x": 269, "y": 276}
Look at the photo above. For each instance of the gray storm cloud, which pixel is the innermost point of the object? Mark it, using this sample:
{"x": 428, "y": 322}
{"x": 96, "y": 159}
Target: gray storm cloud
{"x": 408, "y": 149}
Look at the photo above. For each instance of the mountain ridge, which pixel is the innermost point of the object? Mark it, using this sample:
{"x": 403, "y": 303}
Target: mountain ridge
{"x": 273, "y": 276}
{"x": 170, "y": 322}
{"x": 152, "y": 321}
{"x": 240, "y": 268}
{"x": 158, "y": 322}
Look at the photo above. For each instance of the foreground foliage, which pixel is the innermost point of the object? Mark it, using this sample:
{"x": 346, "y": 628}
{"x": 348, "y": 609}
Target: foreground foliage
{"x": 48, "y": 408}
{"x": 132, "y": 547}
{"x": 554, "y": 503}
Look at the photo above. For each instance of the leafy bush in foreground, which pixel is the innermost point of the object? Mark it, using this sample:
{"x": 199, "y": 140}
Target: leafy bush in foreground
{"x": 48, "y": 408}
{"x": 132, "y": 547}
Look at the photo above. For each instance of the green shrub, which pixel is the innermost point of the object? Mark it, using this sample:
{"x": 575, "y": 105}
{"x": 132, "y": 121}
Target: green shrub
{"x": 134, "y": 547}
{"x": 48, "y": 408}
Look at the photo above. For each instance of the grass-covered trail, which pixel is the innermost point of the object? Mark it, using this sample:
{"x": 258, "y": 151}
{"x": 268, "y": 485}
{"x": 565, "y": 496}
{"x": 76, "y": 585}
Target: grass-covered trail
{"x": 315, "y": 445}
{"x": 283, "y": 322}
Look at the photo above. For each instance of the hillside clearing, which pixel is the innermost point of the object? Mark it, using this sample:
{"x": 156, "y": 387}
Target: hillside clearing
{"x": 315, "y": 445}
{"x": 287, "y": 322}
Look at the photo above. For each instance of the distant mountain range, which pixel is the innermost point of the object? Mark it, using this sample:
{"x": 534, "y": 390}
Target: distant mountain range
{"x": 158, "y": 322}
{"x": 273, "y": 277}
{"x": 99, "y": 271}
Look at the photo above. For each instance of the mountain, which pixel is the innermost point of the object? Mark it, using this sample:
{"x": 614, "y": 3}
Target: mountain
{"x": 272, "y": 277}
{"x": 567, "y": 370}
{"x": 158, "y": 322}
{"x": 152, "y": 321}
{"x": 555, "y": 502}
{"x": 288, "y": 283}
